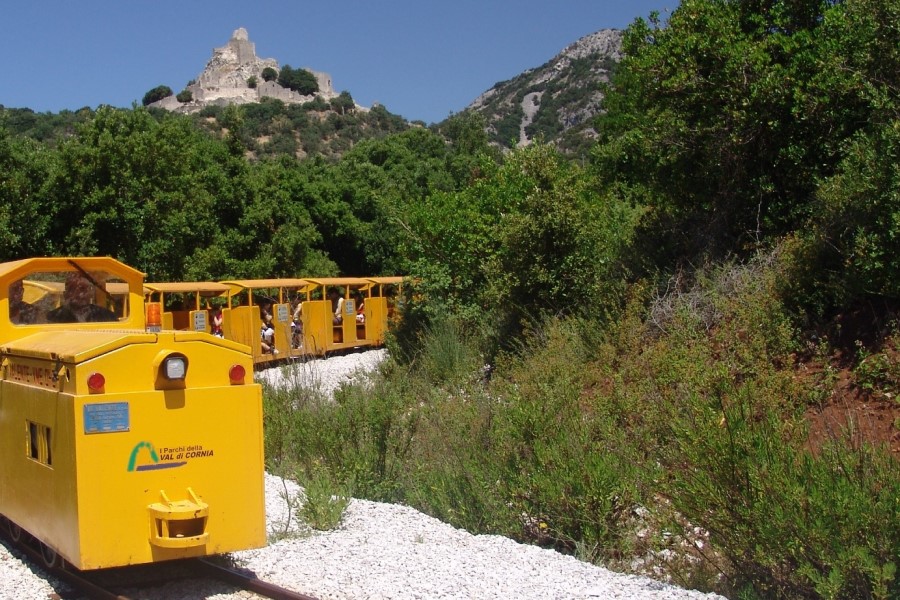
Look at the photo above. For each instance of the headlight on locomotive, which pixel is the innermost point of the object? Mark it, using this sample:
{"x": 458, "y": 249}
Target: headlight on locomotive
{"x": 175, "y": 367}
{"x": 171, "y": 370}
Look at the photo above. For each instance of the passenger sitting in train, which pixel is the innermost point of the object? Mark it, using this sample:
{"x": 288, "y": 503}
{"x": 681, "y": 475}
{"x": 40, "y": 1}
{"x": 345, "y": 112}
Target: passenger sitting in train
{"x": 360, "y": 308}
{"x": 20, "y": 312}
{"x": 217, "y": 320}
{"x": 265, "y": 312}
{"x": 78, "y": 302}
{"x": 337, "y": 305}
{"x": 267, "y": 334}
{"x": 297, "y": 325}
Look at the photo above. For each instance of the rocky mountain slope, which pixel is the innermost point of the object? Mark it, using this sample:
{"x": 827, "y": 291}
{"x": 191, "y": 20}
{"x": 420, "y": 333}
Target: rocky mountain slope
{"x": 555, "y": 101}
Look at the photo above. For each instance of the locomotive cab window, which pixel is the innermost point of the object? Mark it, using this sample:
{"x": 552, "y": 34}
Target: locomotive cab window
{"x": 75, "y": 296}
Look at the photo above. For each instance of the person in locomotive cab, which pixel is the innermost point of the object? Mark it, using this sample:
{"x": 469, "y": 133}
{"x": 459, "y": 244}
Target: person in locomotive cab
{"x": 20, "y": 312}
{"x": 78, "y": 303}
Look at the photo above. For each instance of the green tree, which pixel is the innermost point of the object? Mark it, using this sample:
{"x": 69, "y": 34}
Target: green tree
{"x": 149, "y": 193}
{"x": 528, "y": 238}
{"x": 25, "y": 213}
{"x": 299, "y": 80}
{"x": 269, "y": 74}
{"x": 343, "y": 103}
{"x": 725, "y": 119}
{"x": 185, "y": 96}
{"x": 849, "y": 253}
{"x": 157, "y": 94}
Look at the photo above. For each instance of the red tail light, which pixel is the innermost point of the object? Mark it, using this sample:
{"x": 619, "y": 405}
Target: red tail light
{"x": 237, "y": 373}
{"x": 96, "y": 381}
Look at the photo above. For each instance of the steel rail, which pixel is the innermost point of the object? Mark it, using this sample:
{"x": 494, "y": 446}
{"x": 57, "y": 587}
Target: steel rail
{"x": 251, "y": 583}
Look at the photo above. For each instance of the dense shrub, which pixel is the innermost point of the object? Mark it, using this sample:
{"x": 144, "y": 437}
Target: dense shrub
{"x": 269, "y": 74}
{"x": 849, "y": 253}
{"x": 156, "y": 94}
{"x": 300, "y": 80}
{"x": 676, "y": 430}
{"x": 709, "y": 392}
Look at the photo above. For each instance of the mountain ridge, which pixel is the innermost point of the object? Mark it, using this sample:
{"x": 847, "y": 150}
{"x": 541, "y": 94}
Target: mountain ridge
{"x": 555, "y": 101}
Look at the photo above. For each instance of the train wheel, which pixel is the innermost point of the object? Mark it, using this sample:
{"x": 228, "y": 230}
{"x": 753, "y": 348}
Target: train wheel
{"x": 15, "y": 532}
{"x": 51, "y": 558}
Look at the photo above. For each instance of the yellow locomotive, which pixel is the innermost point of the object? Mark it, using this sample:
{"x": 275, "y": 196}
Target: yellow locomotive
{"x": 121, "y": 445}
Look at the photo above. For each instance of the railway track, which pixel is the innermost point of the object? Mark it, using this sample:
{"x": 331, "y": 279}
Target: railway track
{"x": 109, "y": 583}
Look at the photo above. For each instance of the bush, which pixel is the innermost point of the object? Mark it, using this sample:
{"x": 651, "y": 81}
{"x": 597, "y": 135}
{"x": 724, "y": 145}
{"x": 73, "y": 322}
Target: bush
{"x": 185, "y": 96}
{"x": 360, "y": 438}
{"x": 566, "y": 468}
{"x": 343, "y": 103}
{"x": 157, "y": 94}
{"x": 847, "y": 255}
{"x": 325, "y": 500}
{"x": 701, "y": 394}
{"x": 269, "y": 74}
{"x": 299, "y": 80}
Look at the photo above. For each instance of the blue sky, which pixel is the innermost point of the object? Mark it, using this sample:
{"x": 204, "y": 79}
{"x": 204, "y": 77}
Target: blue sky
{"x": 422, "y": 60}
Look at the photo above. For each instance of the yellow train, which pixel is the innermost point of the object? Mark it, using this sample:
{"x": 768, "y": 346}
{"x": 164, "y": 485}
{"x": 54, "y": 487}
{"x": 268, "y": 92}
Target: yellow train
{"x": 281, "y": 318}
{"x": 121, "y": 442}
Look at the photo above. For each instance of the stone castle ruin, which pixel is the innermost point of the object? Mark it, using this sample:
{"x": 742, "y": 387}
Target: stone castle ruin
{"x": 225, "y": 80}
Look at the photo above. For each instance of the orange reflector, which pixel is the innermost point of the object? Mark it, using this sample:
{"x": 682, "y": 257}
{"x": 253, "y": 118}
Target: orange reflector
{"x": 96, "y": 381}
{"x": 237, "y": 373}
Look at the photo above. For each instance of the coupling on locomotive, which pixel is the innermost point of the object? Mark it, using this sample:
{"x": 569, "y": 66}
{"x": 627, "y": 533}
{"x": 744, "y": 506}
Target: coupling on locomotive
{"x": 121, "y": 443}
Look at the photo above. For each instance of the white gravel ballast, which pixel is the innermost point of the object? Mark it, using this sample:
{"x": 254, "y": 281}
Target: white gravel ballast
{"x": 384, "y": 551}
{"x": 387, "y": 551}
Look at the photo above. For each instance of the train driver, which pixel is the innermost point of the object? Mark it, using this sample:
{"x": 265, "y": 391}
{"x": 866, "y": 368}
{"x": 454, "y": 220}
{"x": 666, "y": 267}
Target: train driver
{"x": 78, "y": 302}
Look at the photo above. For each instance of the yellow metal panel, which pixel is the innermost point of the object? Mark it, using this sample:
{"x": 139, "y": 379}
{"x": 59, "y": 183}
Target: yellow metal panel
{"x": 316, "y": 318}
{"x": 199, "y": 320}
{"x": 74, "y": 345}
{"x": 165, "y": 452}
{"x": 95, "y": 502}
{"x": 281, "y": 323}
{"x": 376, "y": 318}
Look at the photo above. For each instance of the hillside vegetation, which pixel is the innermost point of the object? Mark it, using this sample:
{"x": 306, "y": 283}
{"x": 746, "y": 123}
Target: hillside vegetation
{"x": 679, "y": 357}
{"x": 564, "y": 94}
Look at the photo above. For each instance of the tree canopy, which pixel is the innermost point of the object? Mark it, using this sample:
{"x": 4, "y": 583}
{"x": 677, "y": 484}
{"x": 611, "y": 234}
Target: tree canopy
{"x": 300, "y": 80}
{"x": 157, "y": 94}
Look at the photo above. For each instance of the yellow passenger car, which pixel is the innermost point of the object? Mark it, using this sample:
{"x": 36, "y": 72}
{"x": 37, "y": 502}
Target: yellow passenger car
{"x": 120, "y": 445}
{"x": 260, "y": 315}
{"x": 186, "y": 305}
{"x": 342, "y": 314}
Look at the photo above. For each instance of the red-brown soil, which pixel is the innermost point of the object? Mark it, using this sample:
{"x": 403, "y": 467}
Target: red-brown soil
{"x": 866, "y": 413}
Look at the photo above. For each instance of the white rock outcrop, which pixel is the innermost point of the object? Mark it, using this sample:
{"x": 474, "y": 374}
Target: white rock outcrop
{"x": 227, "y": 76}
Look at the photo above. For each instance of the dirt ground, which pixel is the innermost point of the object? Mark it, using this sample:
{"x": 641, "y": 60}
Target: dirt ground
{"x": 868, "y": 410}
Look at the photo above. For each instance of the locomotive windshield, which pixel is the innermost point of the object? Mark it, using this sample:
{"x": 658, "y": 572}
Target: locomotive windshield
{"x": 72, "y": 296}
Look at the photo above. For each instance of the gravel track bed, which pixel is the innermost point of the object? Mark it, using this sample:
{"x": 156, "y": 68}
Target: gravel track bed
{"x": 380, "y": 551}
